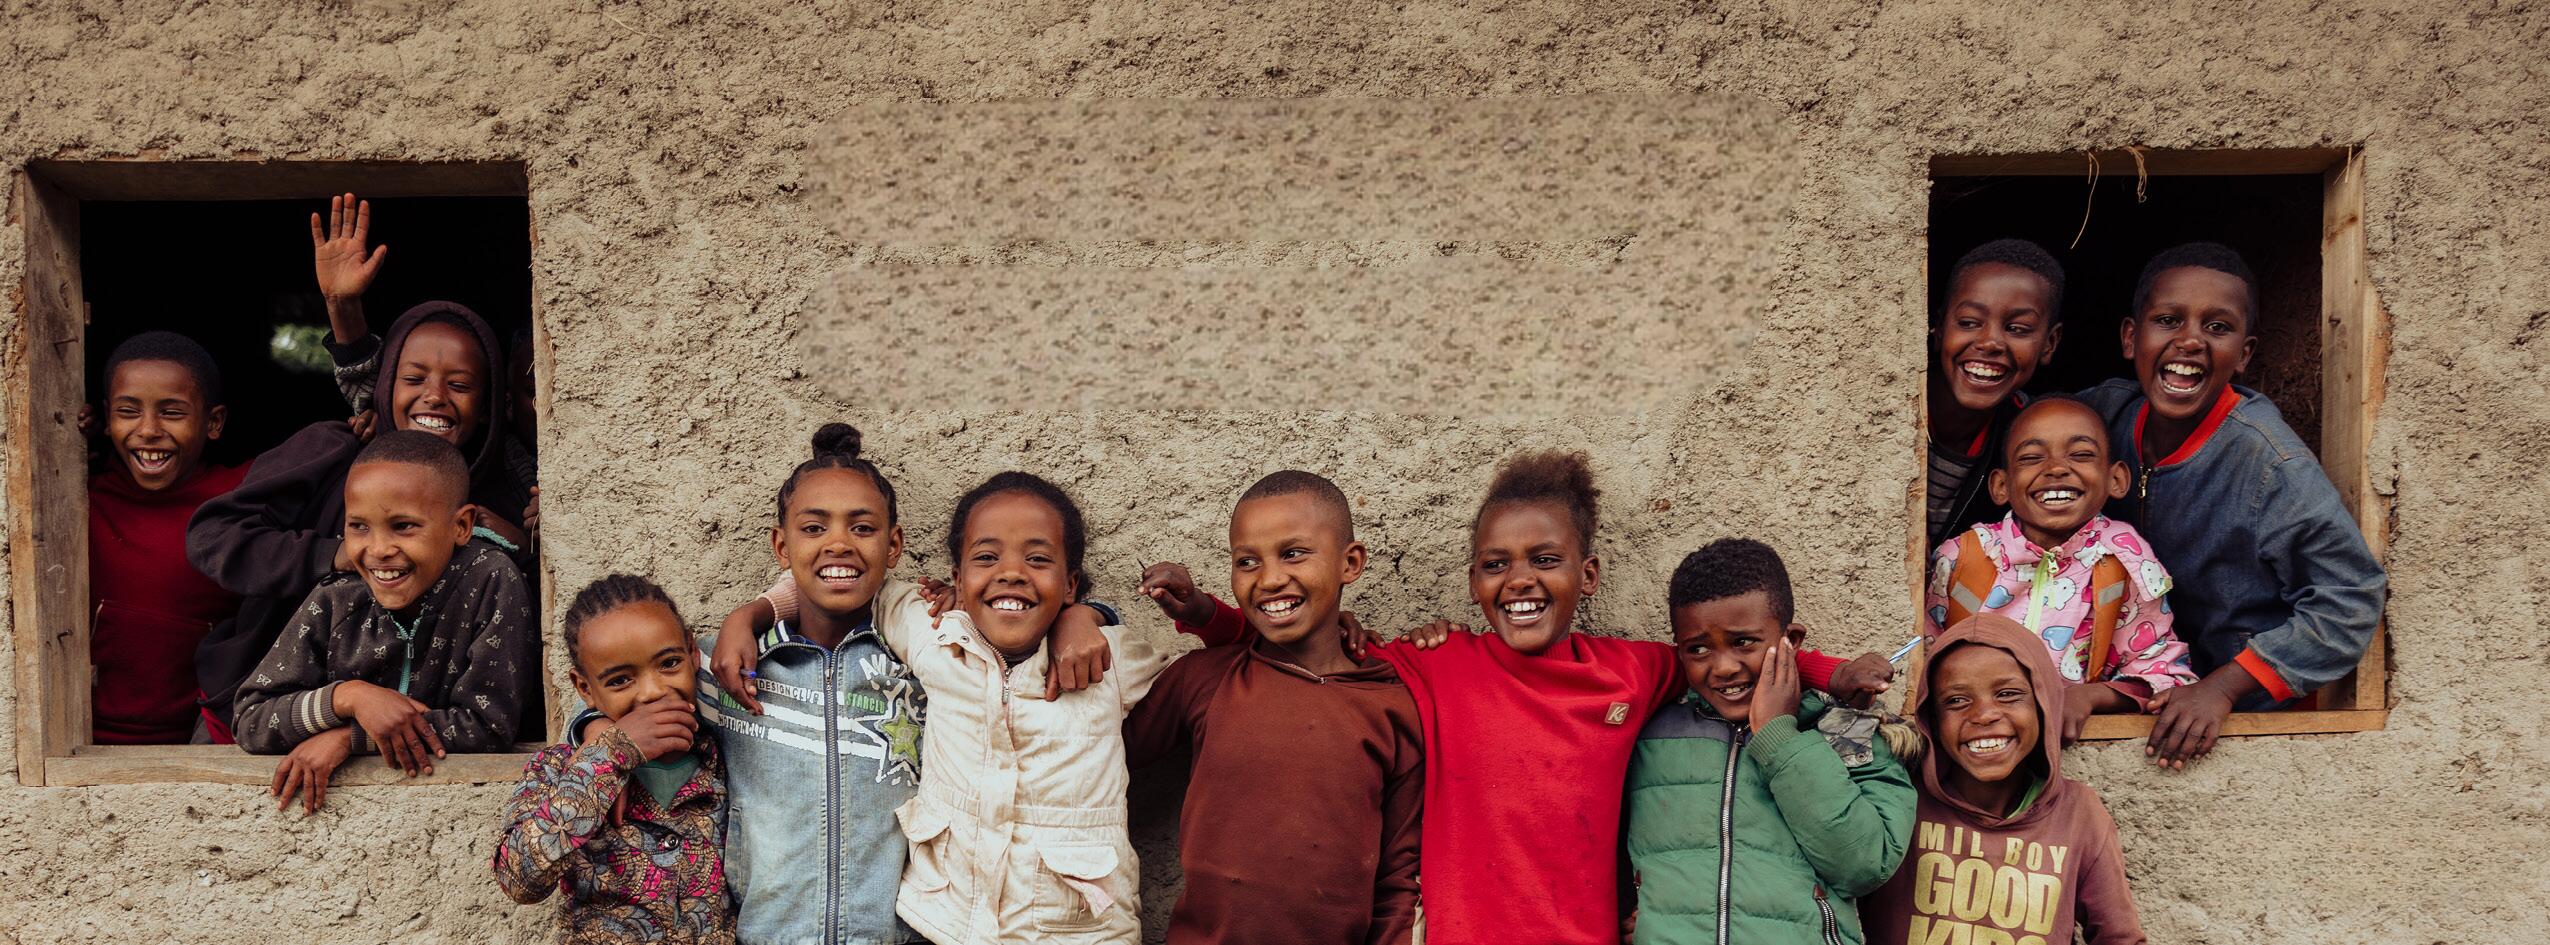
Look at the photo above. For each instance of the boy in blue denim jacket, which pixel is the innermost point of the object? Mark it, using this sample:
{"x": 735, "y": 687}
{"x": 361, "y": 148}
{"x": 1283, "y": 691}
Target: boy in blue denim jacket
{"x": 2278, "y": 593}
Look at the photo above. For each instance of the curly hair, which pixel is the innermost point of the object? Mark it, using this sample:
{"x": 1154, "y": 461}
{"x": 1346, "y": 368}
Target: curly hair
{"x": 1555, "y": 476}
{"x": 607, "y": 595}
{"x": 1728, "y": 567}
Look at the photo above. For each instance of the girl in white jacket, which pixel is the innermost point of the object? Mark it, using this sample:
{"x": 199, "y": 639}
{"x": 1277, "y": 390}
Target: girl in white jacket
{"x": 1018, "y": 833}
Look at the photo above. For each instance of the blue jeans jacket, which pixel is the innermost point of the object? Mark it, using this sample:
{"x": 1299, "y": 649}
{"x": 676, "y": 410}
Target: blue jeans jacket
{"x": 2266, "y": 555}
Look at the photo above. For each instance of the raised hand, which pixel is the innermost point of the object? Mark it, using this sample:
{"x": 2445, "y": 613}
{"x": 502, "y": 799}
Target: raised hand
{"x": 1169, "y": 585}
{"x": 344, "y": 264}
{"x": 1858, "y": 682}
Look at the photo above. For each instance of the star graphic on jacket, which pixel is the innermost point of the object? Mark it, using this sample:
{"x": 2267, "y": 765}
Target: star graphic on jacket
{"x": 903, "y": 738}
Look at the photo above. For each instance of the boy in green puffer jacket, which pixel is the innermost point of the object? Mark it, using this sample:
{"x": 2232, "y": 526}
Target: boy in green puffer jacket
{"x": 1756, "y": 813}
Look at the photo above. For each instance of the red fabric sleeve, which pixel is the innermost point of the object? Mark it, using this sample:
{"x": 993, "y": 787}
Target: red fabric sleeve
{"x": 1226, "y": 627}
{"x": 1815, "y": 670}
{"x": 2265, "y": 674}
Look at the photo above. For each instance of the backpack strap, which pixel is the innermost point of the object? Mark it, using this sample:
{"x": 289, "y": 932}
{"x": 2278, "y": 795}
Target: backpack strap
{"x": 2108, "y": 587}
{"x": 1971, "y": 584}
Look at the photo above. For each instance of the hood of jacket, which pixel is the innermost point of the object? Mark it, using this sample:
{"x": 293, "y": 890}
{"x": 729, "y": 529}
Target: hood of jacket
{"x": 2006, "y": 635}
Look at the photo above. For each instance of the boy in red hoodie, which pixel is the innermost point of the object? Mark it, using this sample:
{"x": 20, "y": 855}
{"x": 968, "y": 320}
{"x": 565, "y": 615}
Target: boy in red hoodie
{"x": 163, "y": 408}
{"x": 2005, "y": 848}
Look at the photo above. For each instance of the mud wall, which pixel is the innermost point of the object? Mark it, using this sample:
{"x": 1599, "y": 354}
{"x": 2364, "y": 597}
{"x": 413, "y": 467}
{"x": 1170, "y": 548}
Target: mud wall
{"x": 671, "y": 151}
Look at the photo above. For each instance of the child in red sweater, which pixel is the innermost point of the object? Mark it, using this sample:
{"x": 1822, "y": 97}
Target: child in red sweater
{"x": 163, "y": 408}
{"x": 1528, "y": 729}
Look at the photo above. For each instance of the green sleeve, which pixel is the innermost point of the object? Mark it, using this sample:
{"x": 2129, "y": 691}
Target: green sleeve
{"x": 1853, "y": 823}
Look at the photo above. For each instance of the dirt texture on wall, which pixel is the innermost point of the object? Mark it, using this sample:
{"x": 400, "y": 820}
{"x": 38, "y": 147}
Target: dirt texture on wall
{"x": 673, "y": 159}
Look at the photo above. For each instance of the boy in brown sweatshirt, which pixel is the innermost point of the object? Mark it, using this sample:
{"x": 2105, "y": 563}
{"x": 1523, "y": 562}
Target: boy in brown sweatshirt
{"x": 1300, "y": 824}
{"x": 2005, "y": 848}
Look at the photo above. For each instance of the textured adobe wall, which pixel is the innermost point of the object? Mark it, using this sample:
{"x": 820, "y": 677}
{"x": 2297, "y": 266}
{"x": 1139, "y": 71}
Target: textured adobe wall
{"x": 669, "y": 148}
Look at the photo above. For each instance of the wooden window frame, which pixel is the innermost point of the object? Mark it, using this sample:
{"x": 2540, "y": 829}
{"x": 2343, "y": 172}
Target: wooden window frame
{"x": 2355, "y": 341}
{"x": 45, "y": 361}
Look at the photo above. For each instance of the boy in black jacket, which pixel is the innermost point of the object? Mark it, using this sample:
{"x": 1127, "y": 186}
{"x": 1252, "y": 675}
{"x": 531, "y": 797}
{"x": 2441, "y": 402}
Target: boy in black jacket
{"x": 430, "y": 650}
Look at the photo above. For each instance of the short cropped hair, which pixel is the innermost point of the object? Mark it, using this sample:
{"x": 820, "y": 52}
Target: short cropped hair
{"x": 604, "y": 596}
{"x": 2023, "y": 254}
{"x": 174, "y": 348}
{"x": 1729, "y": 567}
{"x": 1317, "y": 487}
{"x": 425, "y": 451}
{"x": 2214, "y": 256}
{"x": 2106, "y": 439}
{"x": 1565, "y": 479}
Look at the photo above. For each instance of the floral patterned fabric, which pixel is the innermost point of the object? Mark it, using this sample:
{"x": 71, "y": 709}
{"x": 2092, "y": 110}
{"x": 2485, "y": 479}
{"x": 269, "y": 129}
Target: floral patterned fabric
{"x": 2145, "y": 656}
{"x": 649, "y": 873}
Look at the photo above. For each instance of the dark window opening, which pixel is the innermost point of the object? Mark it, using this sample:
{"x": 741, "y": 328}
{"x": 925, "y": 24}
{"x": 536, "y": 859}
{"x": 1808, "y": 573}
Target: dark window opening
{"x": 235, "y": 275}
{"x": 2273, "y": 220}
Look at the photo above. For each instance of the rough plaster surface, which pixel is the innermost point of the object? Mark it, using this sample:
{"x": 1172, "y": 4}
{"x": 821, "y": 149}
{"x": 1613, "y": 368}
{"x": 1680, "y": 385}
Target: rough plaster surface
{"x": 668, "y": 148}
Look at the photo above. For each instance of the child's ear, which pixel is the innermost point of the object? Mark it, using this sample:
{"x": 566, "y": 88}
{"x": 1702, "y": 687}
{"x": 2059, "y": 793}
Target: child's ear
{"x": 2248, "y": 347}
{"x": 1593, "y": 574}
{"x": 779, "y": 546}
{"x": 1796, "y": 634}
{"x": 214, "y": 419}
{"x": 584, "y": 687}
{"x": 894, "y": 547}
{"x": 1355, "y": 557}
{"x": 465, "y": 521}
{"x": 2119, "y": 479}
{"x": 1999, "y": 485}
{"x": 2125, "y": 337}
{"x": 2053, "y": 340}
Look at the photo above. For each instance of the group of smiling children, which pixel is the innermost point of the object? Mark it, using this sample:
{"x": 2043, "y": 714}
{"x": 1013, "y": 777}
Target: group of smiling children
{"x": 1524, "y": 783}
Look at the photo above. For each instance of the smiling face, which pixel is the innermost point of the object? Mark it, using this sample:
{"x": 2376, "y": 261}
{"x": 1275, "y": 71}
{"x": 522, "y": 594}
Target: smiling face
{"x": 1997, "y": 331}
{"x": 440, "y": 385}
{"x": 1528, "y": 572}
{"x": 632, "y": 655}
{"x": 402, "y": 525}
{"x": 1014, "y": 578}
{"x": 2191, "y": 338}
{"x": 1722, "y": 643}
{"x": 837, "y": 543}
{"x": 1291, "y": 559}
{"x": 2058, "y": 473}
{"x": 1984, "y": 712}
{"x": 158, "y": 422}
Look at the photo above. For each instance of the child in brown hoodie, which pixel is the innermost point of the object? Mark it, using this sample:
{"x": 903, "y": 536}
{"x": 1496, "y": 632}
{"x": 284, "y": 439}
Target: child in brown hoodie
{"x": 2005, "y": 848}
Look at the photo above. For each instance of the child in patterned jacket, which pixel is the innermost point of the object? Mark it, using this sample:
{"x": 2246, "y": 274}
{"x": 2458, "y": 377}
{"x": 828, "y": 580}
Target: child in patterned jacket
{"x": 632, "y": 825}
{"x": 2087, "y": 585}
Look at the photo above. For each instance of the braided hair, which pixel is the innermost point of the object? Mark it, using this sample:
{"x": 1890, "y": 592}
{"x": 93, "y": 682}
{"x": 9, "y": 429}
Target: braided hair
{"x": 607, "y": 595}
{"x": 837, "y": 447}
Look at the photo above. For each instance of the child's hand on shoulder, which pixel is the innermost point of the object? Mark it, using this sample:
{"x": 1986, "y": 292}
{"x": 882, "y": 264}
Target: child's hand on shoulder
{"x": 305, "y": 772}
{"x": 1858, "y": 683}
{"x": 941, "y": 596}
{"x": 1433, "y": 634}
{"x": 1169, "y": 585}
{"x": 736, "y": 653}
{"x": 663, "y": 728}
{"x": 1081, "y": 656}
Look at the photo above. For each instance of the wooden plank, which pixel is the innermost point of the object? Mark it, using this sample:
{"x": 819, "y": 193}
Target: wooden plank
{"x": 2112, "y": 162}
{"x": 2112, "y": 727}
{"x": 2354, "y": 346}
{"x": 224, "y": 764}
{"x": 544, "y": 363}
{"x": 48, "y": 526}
{"x": 280, "y": 180}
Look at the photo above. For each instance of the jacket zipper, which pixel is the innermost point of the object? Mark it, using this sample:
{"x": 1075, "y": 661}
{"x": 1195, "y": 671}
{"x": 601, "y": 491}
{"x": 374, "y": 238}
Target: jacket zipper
{"x": 1832, "y": 924}
{"x": 1726, "y": 832}
{"x": 831, "y": 799}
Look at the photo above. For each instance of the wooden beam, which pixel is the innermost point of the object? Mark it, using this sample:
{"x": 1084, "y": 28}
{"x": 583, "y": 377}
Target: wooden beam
{"x": 2354, "y": 346}
{"x": 48, "y": 502}
{"x": 2112, "y": 727}
{"x": 280, "y": 180}
{"x": 224, "y": 764}
{"x": 2120, "y": 161}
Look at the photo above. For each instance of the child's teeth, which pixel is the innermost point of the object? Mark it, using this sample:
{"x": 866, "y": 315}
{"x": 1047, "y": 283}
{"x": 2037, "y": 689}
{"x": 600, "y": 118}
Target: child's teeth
{"x": 1279, "y": 607}
{"x": 842, "y": 571}
{"x": 1734, "y": 691}
{"x": 1525, "y": 607}
{"x": 1982, "y": 745}
{"x": 1984, "y": 372}
{"x": 382, "y": 575}
{"x": 433, "y": 423}
{"x": 1009, "y": 603}
{"x": 2183, "y": 370}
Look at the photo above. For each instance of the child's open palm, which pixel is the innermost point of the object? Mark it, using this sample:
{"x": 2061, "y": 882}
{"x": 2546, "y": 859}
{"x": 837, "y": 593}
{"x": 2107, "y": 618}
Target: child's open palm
{"x": 1775, "y": 688}
{"x": 337, "y": 248}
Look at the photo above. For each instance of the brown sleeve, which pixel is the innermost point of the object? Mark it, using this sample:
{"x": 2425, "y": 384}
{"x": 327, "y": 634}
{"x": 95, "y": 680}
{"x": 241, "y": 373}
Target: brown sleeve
{"x": 1163, "y": 723}
{"x": 2104, "y": 910}
{"x": 1394, "y": 898}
